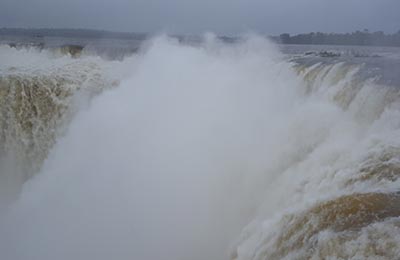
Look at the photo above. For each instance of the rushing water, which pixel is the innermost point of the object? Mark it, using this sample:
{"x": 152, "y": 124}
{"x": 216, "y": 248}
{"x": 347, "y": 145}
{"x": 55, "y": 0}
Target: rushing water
{"x": 201, "y": 151}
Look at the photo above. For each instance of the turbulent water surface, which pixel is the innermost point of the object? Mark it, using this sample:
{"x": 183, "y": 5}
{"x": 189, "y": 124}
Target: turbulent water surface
{"x": 212, "y": 150}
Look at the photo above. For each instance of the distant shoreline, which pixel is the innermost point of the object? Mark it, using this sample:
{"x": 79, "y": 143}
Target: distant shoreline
{"x": 70, "y": 33}
{"x": 358, "y": 38}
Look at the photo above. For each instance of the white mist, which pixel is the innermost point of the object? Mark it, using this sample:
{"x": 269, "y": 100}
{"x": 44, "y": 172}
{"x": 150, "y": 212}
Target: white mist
{"x": 174, "y": 162}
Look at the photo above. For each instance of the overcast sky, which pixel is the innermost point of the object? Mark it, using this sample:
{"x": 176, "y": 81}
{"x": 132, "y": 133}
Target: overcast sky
{"x": 197, "y": 16}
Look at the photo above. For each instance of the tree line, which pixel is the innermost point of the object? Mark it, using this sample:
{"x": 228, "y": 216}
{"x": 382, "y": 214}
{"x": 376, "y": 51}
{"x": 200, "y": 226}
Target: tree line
{"x": 80, "y": 33}
{"x": 364, "y": 37}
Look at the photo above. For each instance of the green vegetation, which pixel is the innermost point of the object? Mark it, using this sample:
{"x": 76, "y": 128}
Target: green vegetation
{"x": 355, "y": 38}
{"x": 72, "y": 33}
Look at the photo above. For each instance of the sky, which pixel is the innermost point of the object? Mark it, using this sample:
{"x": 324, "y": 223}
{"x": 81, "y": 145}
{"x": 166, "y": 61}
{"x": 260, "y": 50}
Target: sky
{"x": 198, "y": 16}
